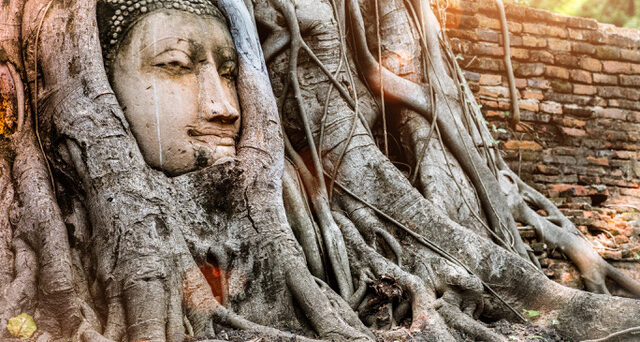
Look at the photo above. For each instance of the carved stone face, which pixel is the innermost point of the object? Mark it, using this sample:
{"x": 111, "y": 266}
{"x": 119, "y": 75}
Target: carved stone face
{"x": 174, "y": 76}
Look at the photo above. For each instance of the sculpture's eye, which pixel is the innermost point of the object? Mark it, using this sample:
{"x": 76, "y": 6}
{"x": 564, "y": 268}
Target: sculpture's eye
{"x": 174, "y": 61}
{"x": 228, "y": 70}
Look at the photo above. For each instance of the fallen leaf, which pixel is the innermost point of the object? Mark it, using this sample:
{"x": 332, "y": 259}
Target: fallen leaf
{"x": 21, "y": 326}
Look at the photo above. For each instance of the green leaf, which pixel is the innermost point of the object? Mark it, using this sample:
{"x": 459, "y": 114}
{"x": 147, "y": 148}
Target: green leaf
{"x": 506, "y": 113}
{"x": 501, "y": 130}
{"x": 555, "y": 322}
{"x": 531, "y": 313}
{"x": 21, "y": 326}
{"x": 636, "y": 256}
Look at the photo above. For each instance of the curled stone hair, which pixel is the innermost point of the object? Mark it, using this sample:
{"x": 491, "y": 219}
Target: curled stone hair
{"x": 116, "y": 17}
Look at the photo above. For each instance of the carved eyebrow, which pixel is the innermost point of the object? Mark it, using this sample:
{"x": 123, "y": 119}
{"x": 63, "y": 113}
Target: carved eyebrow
{"x": 162, "y": 45}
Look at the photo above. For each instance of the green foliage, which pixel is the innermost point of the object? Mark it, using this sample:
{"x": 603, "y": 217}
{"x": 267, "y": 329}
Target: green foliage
{"x": 531, "y": 313}
{"x": 617, "y": 12}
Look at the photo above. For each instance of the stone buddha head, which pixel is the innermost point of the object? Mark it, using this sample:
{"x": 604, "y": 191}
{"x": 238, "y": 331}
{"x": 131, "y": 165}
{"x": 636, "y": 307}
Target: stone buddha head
{"x": 172, "y": 65}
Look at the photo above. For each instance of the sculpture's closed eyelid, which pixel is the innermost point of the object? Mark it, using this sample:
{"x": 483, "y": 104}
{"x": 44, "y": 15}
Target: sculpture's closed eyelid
{"x": 173, "y": 59}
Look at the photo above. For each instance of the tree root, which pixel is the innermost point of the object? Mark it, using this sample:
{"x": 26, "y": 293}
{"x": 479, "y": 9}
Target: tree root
{"x": 332, "y": 238}
{"x": 513, "y": 92}
{"x": 422, "y": 298}
{"x": 557, "y": 231}
{"x": 621, "y": 333}
{"x": 301, "y": 222}
{"x": 454, "y": 137}
{"x": 460, "y": 321}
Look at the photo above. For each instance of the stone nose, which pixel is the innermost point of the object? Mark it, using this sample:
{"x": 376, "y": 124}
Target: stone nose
{"x": 215, "y": 100}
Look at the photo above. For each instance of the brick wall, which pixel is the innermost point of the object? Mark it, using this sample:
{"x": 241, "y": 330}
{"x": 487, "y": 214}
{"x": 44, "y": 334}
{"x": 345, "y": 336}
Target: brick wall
{"x": 579, "y": 89}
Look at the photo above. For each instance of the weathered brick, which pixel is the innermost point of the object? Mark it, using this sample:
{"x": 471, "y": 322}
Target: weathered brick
{"x": 626, "y": 104}
{"x": 598, "y": 161}
{"x": 585, "y": 23}
{"x": 630, "y": 55}
{"x": 531, "y": 41}
{"x": 538, "y": 84}
{"x": 570, "y": 98}
{"x": 488, "y": 49}
{"x": 541, "y": 56}
{"x": 626, "y": 154}
{"x": 630, "y": 80}
{"x": 530, "y": 69}
{"x": 589, "y": 36}
{"x": 561, "y": 86}
{"x": 618, "y": 92}
{"x": 582, "y": 48}
{"x": 514, "y": 27}
{"x": 559, "y": 44}
{"x": 610, "y": 92}
{"x": 537, "y": 29}
{"x": 528, "y": 104}
{"x": 485, "y": 64}
{"x": 522, "y": 145}
{"x": 462, "y": 34}
{"x": 581, "y": 76}
{"x": 521, "y": 54}
{"x": 535, "y": 14}
{"x": 607, "y": 52}
{"x": 569, "y": 190}
{"x": 595, "y": 37}
{"x": 615, "y": 67}
{"x": 611, "y": 113}
{"x": 574, "y": 132}
{"x": 580, "y": 111}
{"x": 495, "y": 114}
{"x": 582, "y": 89}
{"x": 488, "y": 35}
{"x": 573, "y": 123}
{"x": 590, "y": 64}
{"x": 605, "y": 79}
{"x": 620, "y": 41}
{"x": 566, "y": 60}
{"x": 551, "y": 107}
{"x": 515, "y": 40}
{"x": 533, "y": 94}
{"x": 468, "y": 22}
{"x": 633, "y": 116}
{"x": 556, "y": 31}
{"x": 489, "y": 79}
{"x": 487, "y": 23}
{"x": 493, "y": 91}
{"x": 557, "y": 72}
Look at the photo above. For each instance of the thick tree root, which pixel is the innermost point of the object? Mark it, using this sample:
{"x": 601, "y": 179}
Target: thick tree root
{"x": 558, "y": 232}
{"x": 460, "y": 321}
{"x": 364, "y": 258}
